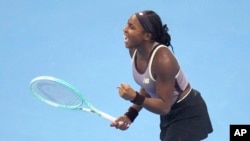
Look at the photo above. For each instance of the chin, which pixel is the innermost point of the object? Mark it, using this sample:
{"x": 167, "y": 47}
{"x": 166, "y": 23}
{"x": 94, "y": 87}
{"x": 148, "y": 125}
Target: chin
{"x": 127, "y": 45}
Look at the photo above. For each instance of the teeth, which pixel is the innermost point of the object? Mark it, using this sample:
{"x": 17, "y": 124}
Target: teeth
{"x": 125, "y": 39}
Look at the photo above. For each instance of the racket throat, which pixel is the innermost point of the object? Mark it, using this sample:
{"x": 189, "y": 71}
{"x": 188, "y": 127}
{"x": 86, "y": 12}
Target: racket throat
{"x": 90, "y": 110}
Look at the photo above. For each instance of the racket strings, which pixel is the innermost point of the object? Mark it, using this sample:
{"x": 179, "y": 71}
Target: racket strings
{"x": 58, "y": 93}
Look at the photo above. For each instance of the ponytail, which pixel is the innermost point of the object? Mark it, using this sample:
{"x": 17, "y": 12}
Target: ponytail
{"x": 165, "y": 38}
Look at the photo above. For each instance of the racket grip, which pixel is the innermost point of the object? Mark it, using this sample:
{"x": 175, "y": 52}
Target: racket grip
{"x": 107, "y": 116}
{"x": 110, "y": 118}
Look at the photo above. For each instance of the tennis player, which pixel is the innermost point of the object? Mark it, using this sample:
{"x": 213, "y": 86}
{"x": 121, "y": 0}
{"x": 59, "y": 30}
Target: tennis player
{"x": 164, "y": 88}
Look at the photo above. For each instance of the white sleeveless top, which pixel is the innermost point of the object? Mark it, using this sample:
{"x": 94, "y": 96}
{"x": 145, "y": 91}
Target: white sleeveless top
{"x": 147, "y": 81}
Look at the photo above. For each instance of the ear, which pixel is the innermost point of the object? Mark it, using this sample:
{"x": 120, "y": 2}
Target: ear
{"x": 147, "y": 36}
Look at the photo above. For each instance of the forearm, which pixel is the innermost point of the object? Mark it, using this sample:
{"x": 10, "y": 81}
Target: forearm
{"x": 143, "y": 93}
{"x": 134, "y": 109}
{"x": 156, "y": 105}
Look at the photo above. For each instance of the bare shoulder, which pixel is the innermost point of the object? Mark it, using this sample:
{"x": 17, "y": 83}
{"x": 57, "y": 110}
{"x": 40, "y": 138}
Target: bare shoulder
{"x": 164, "y": 63}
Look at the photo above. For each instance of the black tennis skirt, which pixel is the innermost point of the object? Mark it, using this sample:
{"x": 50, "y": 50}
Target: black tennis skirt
{"x": 187, "y": 120}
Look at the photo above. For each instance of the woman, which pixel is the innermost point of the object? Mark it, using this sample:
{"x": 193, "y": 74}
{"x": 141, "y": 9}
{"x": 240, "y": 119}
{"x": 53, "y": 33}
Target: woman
{"x": 164, "y": 88}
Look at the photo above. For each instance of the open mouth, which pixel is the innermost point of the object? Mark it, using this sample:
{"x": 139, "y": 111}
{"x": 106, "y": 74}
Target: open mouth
{"x": 126, "y": 39}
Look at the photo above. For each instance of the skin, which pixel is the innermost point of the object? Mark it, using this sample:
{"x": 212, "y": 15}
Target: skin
{"x": 164, "y": 68}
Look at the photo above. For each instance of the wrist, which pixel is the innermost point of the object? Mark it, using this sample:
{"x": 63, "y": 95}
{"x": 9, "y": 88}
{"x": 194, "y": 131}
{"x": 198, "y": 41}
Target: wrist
{"x": 132, "y": 113}
{"x": 139, "y": 99}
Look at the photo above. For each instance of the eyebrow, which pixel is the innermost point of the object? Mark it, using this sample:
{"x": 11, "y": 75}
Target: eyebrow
{"x": 131, "y": 24}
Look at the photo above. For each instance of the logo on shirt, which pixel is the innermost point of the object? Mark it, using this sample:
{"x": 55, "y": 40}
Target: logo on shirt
{"x": 146, "y": 80}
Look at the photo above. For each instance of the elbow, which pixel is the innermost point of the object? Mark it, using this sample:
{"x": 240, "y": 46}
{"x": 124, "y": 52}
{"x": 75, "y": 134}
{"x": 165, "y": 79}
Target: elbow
{"x": 159, "y": 111}
{"x": 164, "y": 111}
{"x": 165, "y": 107}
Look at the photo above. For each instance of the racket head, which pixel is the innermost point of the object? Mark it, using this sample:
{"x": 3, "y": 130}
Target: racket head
{"x": 56, "y": 92}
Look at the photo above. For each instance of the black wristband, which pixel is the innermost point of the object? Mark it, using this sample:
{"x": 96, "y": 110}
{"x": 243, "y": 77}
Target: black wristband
{"x": 132, "y": 113}
{"x": 139, "y": 99}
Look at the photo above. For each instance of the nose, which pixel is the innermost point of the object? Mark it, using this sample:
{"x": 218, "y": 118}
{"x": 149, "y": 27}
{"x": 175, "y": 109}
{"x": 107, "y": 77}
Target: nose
{"x": 125, "y": 28}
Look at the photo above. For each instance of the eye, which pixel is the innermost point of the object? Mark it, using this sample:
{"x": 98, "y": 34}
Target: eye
{"x": 131, "y": 26}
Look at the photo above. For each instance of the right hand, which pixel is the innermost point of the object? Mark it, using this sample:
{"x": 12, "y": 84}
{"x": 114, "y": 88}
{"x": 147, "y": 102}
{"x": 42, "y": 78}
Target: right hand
{"x": 122, "y": 123}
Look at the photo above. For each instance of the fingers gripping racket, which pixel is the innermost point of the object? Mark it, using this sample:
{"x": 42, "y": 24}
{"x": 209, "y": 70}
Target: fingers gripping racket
{"x": 59, "y": 93}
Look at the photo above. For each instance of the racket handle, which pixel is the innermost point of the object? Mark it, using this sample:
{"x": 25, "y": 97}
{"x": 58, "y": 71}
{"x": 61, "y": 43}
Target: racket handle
{"x": 110, "y": 118}
{"x": 107, "y": 116}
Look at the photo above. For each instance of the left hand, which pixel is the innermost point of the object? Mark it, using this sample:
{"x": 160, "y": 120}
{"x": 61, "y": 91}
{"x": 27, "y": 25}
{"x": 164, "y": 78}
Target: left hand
{"x": 126, "y": 92}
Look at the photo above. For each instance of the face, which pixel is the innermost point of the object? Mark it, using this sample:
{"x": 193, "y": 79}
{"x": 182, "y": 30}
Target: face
{"x": 134, "y": 33}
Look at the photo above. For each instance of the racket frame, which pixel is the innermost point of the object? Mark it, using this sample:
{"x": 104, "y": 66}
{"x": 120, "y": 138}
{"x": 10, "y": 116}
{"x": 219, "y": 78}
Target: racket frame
{"x": 90, "y": 109}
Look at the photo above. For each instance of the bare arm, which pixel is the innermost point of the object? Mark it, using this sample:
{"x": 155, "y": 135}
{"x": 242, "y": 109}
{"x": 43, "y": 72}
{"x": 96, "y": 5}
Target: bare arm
{"x": 164, "y": 69}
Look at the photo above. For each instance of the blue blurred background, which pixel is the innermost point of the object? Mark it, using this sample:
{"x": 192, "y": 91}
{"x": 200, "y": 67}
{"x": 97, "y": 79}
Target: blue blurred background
{"x": 82, "y": 43}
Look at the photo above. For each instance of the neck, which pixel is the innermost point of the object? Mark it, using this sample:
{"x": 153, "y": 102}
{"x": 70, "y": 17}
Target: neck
{"x": 144, "y": 51}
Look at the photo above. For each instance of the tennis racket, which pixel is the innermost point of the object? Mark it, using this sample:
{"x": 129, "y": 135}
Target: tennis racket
{"x": 59, "y": 93}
